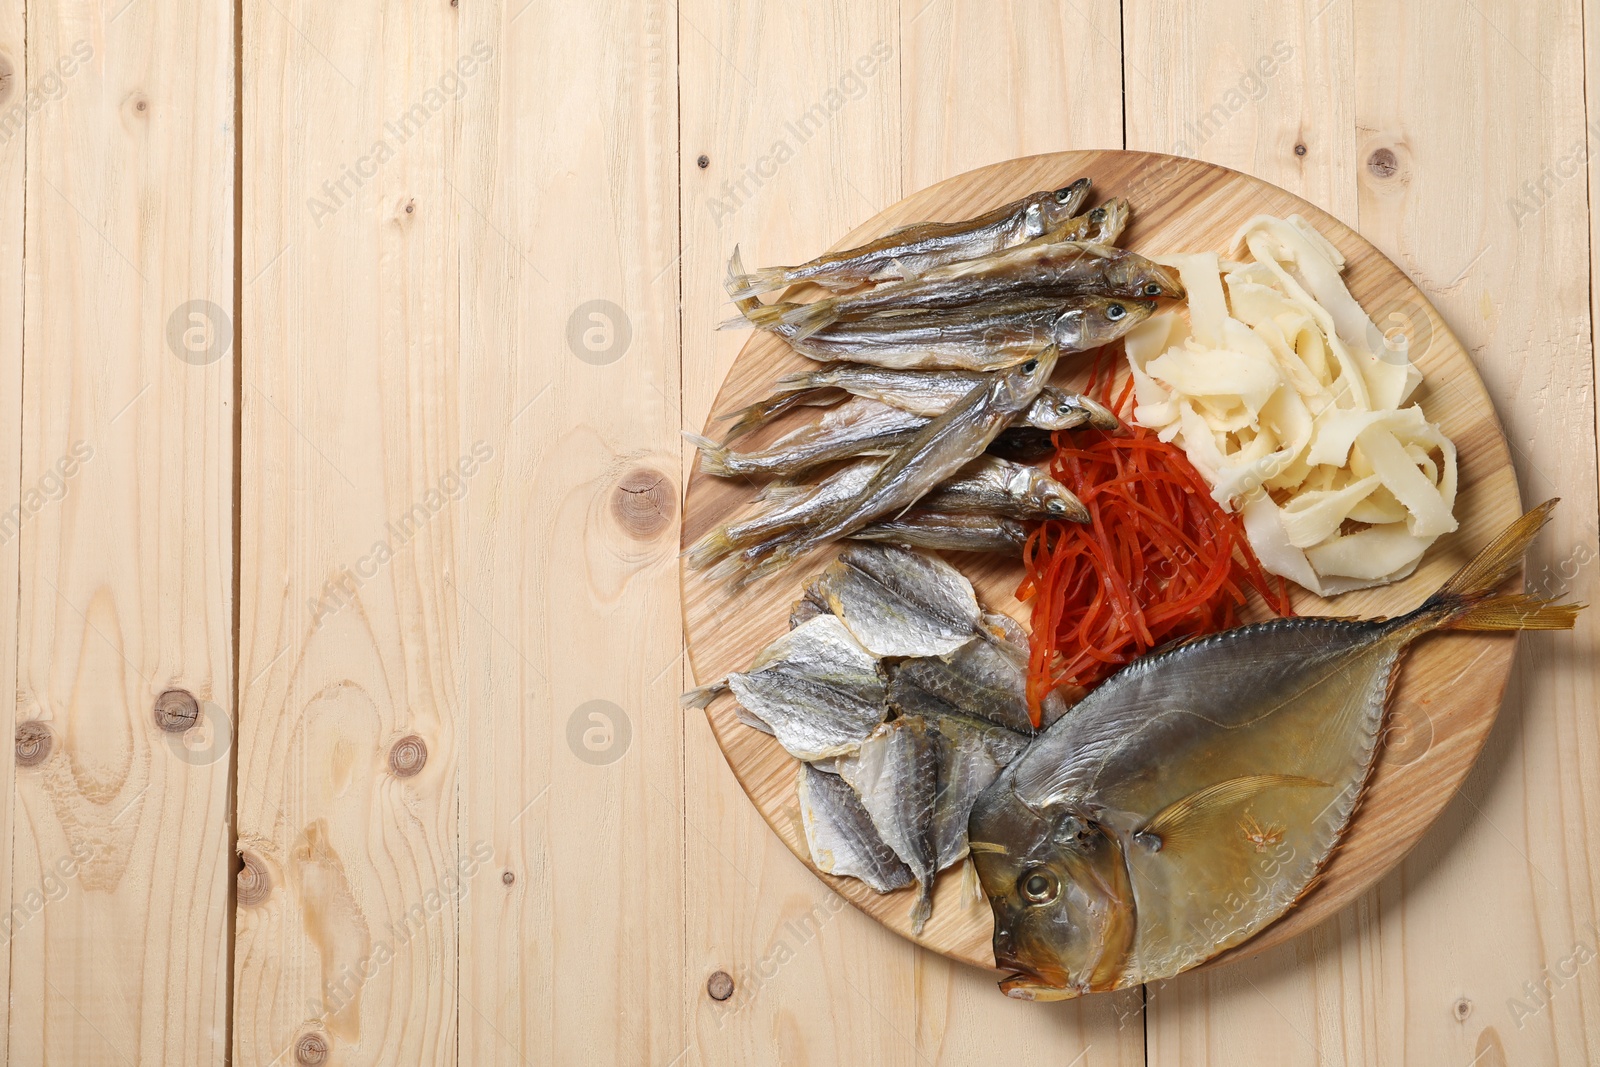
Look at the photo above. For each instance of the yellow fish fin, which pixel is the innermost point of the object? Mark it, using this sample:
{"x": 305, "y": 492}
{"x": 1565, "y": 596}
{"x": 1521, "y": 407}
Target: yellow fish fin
{"x": 1185, "y": 818}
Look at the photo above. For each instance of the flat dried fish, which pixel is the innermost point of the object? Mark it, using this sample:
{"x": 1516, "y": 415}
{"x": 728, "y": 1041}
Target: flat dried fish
{"x": 840, "y": 834}
{"x": 984, "y": 678}
{"x": 815, "y": 688}
{"x": 895, "y": 772}
{"x": 1192, "y": 798}
{"x": 897, "y": 602}
{"x": 971, "y": 755}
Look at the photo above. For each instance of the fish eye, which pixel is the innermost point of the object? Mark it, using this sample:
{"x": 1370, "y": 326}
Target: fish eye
{"x": 1056, "y": 507}
{"x": 1030, "y": 366}
{"x": 1038, "y": 885}
{"x": 1097, "y": 216}
{"x": 1115, "y": 312}
{"x": 1063, "y": 194}
{"x": 1153, "y": 289}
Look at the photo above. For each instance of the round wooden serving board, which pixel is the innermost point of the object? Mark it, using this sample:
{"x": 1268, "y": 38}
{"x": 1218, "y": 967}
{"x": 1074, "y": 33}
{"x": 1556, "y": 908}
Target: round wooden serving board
{"x": 1450, "y": 685}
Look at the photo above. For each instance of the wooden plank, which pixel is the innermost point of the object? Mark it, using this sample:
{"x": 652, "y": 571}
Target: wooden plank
{"x": 121, "y": 858}
{"x": 567, "y": 595}
{"x": 1246, "y": 89}
{"x": 813, "y": 977}
{"x": 353, "y": 466}
{"x": 14, "y": 89}
{"x": 1413, "y": 970}
{"x": 985, "y": 82}
{"x": 982, "y": 82}
{"x": 1519, "y": 844}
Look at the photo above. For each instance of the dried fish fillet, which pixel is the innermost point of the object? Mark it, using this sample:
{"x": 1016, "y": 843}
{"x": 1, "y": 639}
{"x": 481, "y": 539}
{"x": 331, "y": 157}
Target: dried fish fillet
{"x": 840, "y": 834}
{"x": 816, "y": 688}
{"x": 971, "y": 754}
{"x": 895, "y": 772}
{"x": 897, "y": 602}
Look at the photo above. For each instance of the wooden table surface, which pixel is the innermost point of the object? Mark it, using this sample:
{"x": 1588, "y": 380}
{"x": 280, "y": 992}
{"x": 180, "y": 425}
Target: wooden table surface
{"x": 346, "y": 348}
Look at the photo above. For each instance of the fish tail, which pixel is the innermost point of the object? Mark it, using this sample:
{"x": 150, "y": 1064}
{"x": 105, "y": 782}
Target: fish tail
{"x": 714, "y": 458}
{"x": 1469, "y": 601}
{"x": 703, "y": 696}
{"x": 753, "y": 312}
{"x": 742, "y": 285}
{"x": 1513, "y": 611}
{"x": 710, "y": 548}
{"x": 804, "y": 320}
{"x": 923, "y": 907}
{"x": 760, "y": 413}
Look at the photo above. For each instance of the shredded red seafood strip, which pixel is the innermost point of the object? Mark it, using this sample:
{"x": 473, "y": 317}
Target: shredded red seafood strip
{"x": 1159, "y": 560}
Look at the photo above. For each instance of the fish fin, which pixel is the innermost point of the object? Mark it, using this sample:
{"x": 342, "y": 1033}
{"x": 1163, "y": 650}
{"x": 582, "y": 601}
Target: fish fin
{"x": 747, "y": 286}
{"x": 987, "y": 846}
{"x": 902, "y": 271}
{"x": 1182, "y": 818}
{"x": 704, "y": 695}
{"x": 1491, "y": 567}
{"x": 714, "y": 458}
{"x": 1468, "y": 600}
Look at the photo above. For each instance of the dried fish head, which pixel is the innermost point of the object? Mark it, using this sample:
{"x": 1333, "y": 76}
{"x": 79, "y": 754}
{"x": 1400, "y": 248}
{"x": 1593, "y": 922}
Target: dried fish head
{"x": 1090, "y": 322}
{"x": 1063, "y": 906}
{"x": 1129, "y": 274}
{"x": 1060, "y": 207}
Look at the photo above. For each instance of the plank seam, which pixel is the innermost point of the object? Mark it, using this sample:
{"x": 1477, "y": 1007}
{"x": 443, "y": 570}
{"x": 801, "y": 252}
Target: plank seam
{"x": 234, "y": 863}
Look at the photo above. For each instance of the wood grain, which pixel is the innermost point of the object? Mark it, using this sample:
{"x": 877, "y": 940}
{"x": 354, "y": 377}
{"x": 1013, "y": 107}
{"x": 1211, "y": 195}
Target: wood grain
{"x": 1188, "y": 205}
{"x": 121, "y": 851}
{"x": 567, "y": 591}
{"x": 13, "y": 167}
{"x": 350, "y": 481}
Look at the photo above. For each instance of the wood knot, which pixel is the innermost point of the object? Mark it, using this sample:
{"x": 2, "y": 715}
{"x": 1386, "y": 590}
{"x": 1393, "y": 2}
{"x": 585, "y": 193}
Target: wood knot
{"x": 703, "y": 162}
{"x": 177, "y": 711}
{"x": 1299, "y": 149}
{"x": 311, "y": 1049}
{"x": 1382, "y": 163}
{"x": 253, "y": 883}
{"x": 34, "y": 741}
{"x": 407, "y": 756}
{"x": 720, "y": 985}
{"x": 507, "y": 878}
{"x": 1461, "y": 1009}
{"x": 644, "y": 502}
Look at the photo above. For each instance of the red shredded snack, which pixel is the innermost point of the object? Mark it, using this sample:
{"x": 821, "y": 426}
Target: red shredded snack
{"x": 1160, "y": 560}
